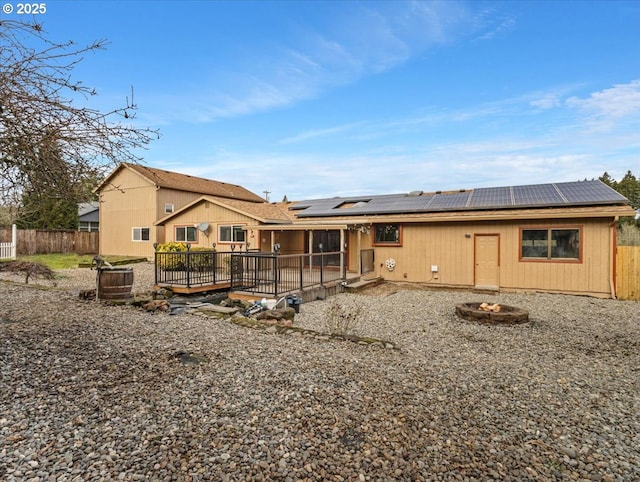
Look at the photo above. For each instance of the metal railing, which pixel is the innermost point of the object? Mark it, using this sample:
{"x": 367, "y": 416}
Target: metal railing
{"x": 192, "y": 268}
{"x": 255, "y": 272}
{"x": 275, "y": 274}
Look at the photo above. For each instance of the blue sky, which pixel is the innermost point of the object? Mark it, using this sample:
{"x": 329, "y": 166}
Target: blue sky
{"x": 320, "y": 99}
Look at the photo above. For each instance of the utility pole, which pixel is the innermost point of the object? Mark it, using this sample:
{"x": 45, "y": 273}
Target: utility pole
{"x": 266, "y": 194}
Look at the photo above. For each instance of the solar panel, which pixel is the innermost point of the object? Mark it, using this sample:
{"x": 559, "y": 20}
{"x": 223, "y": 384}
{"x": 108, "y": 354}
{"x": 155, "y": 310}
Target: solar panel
{"x": 492, "y": 197}
{"x": 537, "y": 195}
{"x": 449, "y": 202}
{"x": 583, "y": 192}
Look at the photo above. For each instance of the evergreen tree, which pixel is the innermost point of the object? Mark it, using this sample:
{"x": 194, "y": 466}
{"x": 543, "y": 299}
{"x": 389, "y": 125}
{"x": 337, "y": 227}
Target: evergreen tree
{"x": 629, "y": 187}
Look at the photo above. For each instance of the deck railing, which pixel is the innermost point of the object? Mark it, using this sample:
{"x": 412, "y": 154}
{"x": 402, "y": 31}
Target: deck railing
{"x": 275, "y": 274}
{"x": 255, "y": 272}
{"x": 192, "y": 268}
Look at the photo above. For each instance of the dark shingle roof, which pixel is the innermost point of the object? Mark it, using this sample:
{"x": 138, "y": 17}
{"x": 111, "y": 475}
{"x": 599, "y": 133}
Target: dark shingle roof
{"x": 567, "y": 194}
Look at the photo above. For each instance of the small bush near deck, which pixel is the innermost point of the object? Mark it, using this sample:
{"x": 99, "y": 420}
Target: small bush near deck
{"x": 175, "y": 258}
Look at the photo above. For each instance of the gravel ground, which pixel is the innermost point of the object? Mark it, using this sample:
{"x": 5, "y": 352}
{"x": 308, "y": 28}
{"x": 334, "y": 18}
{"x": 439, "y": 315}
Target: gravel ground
{"x": 96, "y": 392}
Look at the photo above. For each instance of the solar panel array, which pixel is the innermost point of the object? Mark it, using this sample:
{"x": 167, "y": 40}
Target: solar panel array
{"x": 509, "y": 197}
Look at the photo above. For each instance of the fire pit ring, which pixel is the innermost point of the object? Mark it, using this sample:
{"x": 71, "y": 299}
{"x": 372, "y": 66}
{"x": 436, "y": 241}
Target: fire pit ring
{"x": 507, "y": 315}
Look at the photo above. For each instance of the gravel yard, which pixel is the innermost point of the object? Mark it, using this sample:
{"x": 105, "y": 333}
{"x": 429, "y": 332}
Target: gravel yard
{"x": 96, "y": 392}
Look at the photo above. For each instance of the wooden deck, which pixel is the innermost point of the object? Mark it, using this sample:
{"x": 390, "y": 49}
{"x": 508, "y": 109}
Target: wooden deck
{"x": 192, "y": 290}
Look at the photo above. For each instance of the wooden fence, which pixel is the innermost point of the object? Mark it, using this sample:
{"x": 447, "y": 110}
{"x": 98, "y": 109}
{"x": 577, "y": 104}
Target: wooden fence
{"x": 628, "y": 273}
{"x": 40, "y": 241}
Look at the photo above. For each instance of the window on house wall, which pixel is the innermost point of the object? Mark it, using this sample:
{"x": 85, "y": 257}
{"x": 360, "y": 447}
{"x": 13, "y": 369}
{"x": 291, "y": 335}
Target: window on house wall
{"x": 140, "y": 234}
{"x": 88, "y": 226}
{"x": 231, "y": 234}
{"x": 387, "y": 234}
{"x": 188, "y": 234}
{"x": 168, "y": 208}
{"x": 550, "y": 243}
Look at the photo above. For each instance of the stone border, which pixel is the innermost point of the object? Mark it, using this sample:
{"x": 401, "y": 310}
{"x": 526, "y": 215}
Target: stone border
{"x": 509, "y": 315}
{"x": 302, "y": 332}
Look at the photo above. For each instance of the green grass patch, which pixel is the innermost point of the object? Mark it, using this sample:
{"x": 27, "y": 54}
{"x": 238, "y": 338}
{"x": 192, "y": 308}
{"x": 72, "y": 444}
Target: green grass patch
{"x": 66, "y": 261}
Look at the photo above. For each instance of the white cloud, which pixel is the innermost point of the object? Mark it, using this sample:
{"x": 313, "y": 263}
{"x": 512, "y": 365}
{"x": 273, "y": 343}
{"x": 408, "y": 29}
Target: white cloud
{"x": 363, "y": 40}
{"x": 316, "y": 133}
{"x": 604, "y": 108}
{"x": 549, "y": 101}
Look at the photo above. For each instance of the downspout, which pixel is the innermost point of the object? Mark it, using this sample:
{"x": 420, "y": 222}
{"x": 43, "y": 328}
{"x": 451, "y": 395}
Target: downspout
{"x": 614, "y": 242}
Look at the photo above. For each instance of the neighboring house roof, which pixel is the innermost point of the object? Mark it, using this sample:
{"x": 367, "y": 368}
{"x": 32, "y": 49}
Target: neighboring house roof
{"x": 568, "y": 194}
{"x": 89, "y": 211}
{"x": 184, "y": 182}
{"x": 87, "y": 208}
{"x": 262, "y": 212}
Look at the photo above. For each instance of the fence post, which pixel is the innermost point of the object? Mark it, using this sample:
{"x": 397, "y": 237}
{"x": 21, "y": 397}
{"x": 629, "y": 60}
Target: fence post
{"x": 14, "y": 241}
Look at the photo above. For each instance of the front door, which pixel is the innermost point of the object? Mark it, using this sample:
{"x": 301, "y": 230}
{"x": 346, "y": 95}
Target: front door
{"x": 487, "y": 261}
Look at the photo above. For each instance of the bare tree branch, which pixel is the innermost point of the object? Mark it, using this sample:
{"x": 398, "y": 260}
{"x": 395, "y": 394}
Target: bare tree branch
{"x": 41, "y": 103}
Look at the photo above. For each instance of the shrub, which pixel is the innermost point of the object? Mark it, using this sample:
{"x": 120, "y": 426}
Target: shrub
{"x": 342, "y": 320}
{"x": 175, "y": 258}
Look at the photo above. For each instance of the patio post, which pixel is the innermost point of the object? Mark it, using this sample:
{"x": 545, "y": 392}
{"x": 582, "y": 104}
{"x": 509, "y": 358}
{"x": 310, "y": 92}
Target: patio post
{"x": 188, "y": 265}
{"x": 321, "y": 264}
{"x": 275, "y": 275}
{"x": 301, "y": 270}
{"x": 155, "y": 262}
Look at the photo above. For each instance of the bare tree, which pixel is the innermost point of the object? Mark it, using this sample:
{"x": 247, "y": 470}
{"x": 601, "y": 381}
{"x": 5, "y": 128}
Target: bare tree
{"x": 41, "y": 105}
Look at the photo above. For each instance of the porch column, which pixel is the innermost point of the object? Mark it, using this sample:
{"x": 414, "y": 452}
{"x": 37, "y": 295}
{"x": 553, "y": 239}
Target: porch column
{"x": 359, "y": 250}
{"x": 273, "y": 239}
{"x": 343, "y": 268}
{"x": 310, "y": 249}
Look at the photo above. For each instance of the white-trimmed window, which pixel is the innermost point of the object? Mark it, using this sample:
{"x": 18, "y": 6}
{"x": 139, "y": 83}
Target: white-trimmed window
{"x": 561, "y": 243}
{"x": 186, "y": 234}
{"x": 231, "y": 234}
{"x": 168, "y": 208}
{"x": 140, "y": 234}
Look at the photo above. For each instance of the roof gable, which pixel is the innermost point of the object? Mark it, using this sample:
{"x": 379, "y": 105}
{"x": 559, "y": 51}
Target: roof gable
{"x": 262, "y": 212}
{"x": 568, "y": 194}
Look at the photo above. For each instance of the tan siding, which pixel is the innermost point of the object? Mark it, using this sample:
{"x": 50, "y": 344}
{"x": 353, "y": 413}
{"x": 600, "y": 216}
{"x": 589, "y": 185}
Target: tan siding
{"x": 121, "y": 211}
{"x": 216, "y": 216}
{"x": 177, "y": 198}
{"x": 592, "y": 275}
{"x": 291, "y": 242}
{"x": 353, "y": 257}
{"x": 445, "y": 245}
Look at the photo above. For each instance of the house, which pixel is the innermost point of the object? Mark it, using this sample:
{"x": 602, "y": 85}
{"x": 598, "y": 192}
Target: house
{"x": 134, "y": 197}
{"x": 558, "y": 237}
{"x": 548, "y": 237}
{"x": 89, "y": 216}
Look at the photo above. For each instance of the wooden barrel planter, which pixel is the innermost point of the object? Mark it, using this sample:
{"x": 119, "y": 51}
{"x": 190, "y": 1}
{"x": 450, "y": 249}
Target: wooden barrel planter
{"x": 114, "y": 284}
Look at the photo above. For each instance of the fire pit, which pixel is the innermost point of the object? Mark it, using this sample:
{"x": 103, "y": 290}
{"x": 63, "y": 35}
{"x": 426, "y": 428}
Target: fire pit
{"x": 494, "y": 314}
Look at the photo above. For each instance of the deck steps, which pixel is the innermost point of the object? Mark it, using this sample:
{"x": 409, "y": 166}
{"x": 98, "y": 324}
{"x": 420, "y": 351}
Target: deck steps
{"x": 362, "y": 284}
